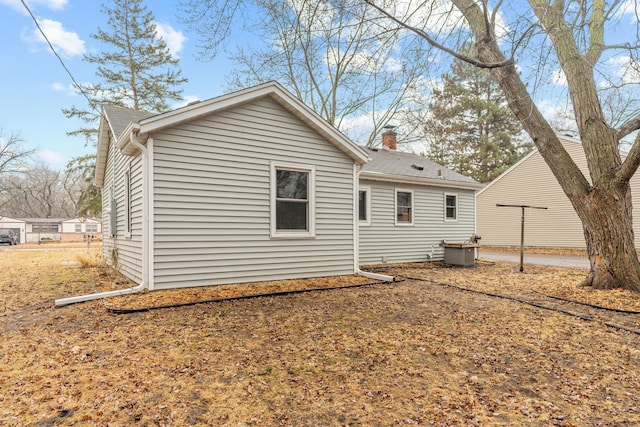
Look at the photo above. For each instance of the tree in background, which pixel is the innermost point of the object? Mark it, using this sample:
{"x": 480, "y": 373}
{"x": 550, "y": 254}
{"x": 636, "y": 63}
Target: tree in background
{"x": 13, "y": 157}
{"x": 545, "y": 37}
{"x": 341, "y": 66}
{"x": 40, "y": 192}
{"x": 469, "y": 125}
{"x": 135, "y": 70}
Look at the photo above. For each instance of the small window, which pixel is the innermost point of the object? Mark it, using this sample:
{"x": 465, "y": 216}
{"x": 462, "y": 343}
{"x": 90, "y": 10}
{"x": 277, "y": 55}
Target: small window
{"x": 92, "y": 228}
{"x": 78, "y": 228}
{"x": 364, "y": 205}
{"x": 292, "y": 207}
{"x": 450, "y": 207}
{"x": 404, "y": 207}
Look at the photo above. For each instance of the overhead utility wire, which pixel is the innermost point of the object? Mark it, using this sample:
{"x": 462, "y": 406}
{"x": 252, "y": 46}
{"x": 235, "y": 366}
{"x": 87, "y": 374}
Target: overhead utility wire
{"x": 75, "y": 82}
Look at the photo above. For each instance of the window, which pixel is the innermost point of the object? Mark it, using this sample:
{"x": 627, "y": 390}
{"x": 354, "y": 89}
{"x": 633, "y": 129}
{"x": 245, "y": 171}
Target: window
{"x": 78, "y": 228}
{"x": 292, "y": 201}
{"x": 92, "y": 228}
{"x": 364, "y": 205}
{"x": 127, "y": 201}
{"x": 404, "y": 207}
{"x": 450, "y": 207}
{"x": 44, "y": 228}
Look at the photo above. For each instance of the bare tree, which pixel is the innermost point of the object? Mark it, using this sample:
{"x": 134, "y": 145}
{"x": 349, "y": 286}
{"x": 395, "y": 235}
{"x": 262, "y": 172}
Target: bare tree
{"x": 12, "y": 156}
{"x": 571, "y": 36}
{"x": 40, "y": 192}
{"x": 344, "y": 66}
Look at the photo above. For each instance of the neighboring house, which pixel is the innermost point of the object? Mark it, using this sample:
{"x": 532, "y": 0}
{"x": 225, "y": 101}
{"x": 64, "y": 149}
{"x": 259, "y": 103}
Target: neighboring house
{"x": 81, "y": 229}
{"x": 33, "y": 230}
{"x": 19, "y": 226}
{"x": 531, "y": 182}
{"x": 409, "y": 205}
{"x": 255, "y": 186}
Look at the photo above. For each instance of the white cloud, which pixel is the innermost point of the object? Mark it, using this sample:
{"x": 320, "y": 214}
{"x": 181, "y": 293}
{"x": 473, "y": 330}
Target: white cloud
{"x": 173, "y": 38}
{"x": 66, "y": 43}
{"x": 559, "y": 78}
{"x": 630, "y": 8}
{"x": 625, "y": 68}
{"x": 67, "y": 89}
{"x": 50, "y": 157}
{"x": 34, "y": 4}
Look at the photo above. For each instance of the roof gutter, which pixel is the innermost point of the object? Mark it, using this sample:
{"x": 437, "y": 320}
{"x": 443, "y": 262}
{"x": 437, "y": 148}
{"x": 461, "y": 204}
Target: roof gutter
{"x": 435, "y": 182}
{"x": 133, "y": 141}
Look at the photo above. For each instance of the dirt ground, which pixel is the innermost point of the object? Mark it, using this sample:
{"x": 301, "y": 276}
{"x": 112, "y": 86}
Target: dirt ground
{"x": 449, "y": 347}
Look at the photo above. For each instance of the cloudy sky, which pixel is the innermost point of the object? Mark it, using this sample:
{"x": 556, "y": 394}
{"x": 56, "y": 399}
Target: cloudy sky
{"x": 34, "y": 87}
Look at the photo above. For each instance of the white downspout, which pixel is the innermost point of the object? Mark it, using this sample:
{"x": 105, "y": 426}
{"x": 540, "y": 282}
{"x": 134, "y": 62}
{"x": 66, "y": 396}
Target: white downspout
{"x": 356, "y": 234}
{"x": 145, "y": 242}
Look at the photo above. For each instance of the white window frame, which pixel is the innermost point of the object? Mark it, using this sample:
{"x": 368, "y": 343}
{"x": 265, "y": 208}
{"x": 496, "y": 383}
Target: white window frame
{"x": 78, "y": 228}
{"x": 446, "y": 218}
{"x": 395, "y": 207}
{"x": 310, "y": 232}
{"x": 367, "y": 204}
{"x": 91, "y": 228}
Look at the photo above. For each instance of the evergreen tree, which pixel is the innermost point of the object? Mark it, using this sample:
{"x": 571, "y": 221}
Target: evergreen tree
{"x": 471, "y": 128}
{"x": 135, "y": 70}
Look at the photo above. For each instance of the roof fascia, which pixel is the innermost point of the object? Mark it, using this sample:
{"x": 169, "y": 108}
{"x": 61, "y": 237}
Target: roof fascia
{"x": 431, "y": 182}
{"x": 103, "y": 149}
{"x": 225, "y": 102}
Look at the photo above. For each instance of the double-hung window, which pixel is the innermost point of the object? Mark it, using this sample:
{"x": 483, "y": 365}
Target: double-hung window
{"x": 292, "y": 201}
{"x": 450, "y": 207}
{"x": 404, "y": 207}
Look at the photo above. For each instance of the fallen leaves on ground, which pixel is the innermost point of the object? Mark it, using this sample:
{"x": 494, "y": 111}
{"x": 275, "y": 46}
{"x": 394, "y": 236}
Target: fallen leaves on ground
{"x": 407, "y": 353}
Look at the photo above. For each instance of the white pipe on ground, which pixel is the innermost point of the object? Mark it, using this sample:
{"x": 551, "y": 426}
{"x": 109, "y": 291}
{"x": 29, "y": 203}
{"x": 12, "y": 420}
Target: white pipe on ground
{"x": 99, "y": 295}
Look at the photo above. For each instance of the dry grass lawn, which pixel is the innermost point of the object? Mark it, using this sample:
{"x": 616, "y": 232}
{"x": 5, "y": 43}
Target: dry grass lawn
{"x": 409, "y": 353}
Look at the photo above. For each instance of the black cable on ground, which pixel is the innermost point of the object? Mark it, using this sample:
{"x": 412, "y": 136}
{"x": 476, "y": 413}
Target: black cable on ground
{"x": 531, "y": 303}
{"x": 616, "y": 310}
{"x": 115, "y": 310}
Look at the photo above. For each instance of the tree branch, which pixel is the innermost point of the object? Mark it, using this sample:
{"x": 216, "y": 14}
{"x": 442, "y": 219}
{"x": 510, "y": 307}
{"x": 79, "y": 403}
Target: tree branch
{"x": 434, "y": 43}
{"x": 631, "y": 163}
{"x": 628, "y": 127}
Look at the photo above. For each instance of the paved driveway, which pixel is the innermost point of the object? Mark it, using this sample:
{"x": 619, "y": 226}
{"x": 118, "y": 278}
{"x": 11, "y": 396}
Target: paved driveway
{"x": 555, "y": 260}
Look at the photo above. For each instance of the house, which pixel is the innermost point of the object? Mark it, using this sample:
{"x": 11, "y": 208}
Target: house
{"x": 255, "y": 186}
{"x": 33, "y": 230}
{"x": 249, "y": 186}
{"x": 408, "y": 205}
{"x": 17, "y": 225}
{"x": 531, "y": 182}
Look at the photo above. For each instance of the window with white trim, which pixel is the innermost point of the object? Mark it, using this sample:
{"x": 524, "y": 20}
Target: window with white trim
{"x": 364, "y": 205}
{"x": 404, "y": 207}
{"x": 78, "y": 228}
{"x": 92, "y": 228}
{"x": 292, "y": 201}
{"x": 450, "y": 207}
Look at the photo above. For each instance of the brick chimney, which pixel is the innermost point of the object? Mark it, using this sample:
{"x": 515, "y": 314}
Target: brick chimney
{"x": 389, "y": 138}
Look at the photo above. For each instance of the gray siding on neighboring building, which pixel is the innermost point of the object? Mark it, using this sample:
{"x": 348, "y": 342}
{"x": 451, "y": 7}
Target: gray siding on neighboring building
{"x": 530, "y": 182}
{"x": 382, "y": 240}
{"x": 128, "y": 247}
{"x": 212, "y": 200}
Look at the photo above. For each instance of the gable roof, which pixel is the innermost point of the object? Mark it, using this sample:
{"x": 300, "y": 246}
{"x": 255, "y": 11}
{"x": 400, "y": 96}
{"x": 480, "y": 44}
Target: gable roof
{"x": 140, "y": 124}
{"x": 396, "y": 166}
{"x": 564, "y": 139}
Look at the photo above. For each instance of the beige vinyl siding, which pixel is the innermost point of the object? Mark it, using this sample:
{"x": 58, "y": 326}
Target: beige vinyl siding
{"x": 212, "y": 200}
{"x": 383, "y": 240}
{"x": 531, "y": 183}
{"x": 128, "y": 248}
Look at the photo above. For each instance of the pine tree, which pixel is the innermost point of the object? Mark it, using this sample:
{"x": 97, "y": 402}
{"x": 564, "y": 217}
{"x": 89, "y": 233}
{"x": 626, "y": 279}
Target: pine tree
{"x": 135, "y": 70}
{"x": 471, "y": 128}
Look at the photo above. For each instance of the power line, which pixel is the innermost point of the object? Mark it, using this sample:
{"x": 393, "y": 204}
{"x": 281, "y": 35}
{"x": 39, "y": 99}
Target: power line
{"x": 75, "y": 82}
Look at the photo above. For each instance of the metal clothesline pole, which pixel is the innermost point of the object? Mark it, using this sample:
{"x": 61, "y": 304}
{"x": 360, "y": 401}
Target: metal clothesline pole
{"x": 523, "y": 207}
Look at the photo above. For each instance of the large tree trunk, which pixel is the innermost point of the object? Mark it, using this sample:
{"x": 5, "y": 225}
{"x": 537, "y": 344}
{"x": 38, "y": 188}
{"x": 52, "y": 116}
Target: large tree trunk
{"x": 604, "y": 204}
{"x": 608, "y": 231}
